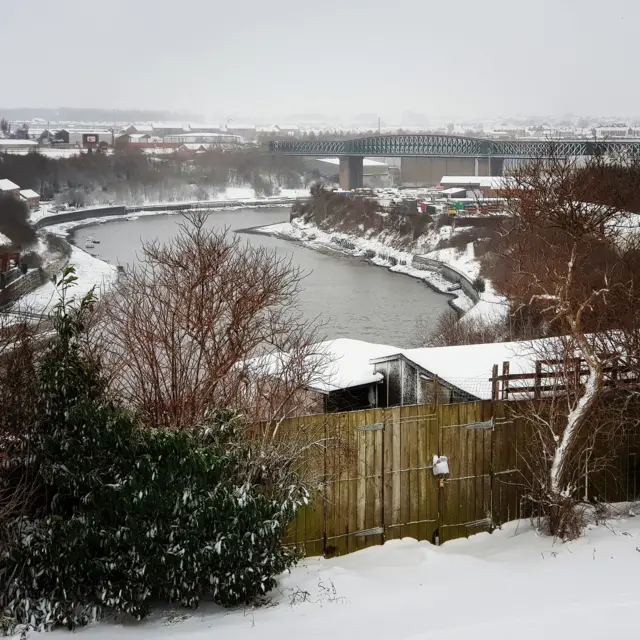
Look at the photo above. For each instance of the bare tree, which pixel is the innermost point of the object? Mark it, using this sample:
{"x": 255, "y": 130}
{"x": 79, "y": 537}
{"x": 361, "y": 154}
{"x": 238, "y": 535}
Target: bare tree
{"x": 205, "y": 321}
{"x": 568, "y": 256}
{"x": 449, "y": 330}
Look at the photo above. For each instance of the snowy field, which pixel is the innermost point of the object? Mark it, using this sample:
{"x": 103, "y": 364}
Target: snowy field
{"x": 513, "y": 583}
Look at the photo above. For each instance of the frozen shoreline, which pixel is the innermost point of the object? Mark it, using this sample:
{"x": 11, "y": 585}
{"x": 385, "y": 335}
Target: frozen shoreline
{"x": 92, "y": 271}
{"x": 490, "y": 305}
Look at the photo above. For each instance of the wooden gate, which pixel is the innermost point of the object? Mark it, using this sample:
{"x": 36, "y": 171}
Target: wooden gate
{"x": 380, "y": 485}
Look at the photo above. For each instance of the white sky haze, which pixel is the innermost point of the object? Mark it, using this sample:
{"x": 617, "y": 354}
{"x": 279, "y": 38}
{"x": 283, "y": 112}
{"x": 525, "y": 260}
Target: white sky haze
{"x": 462, "y": 58}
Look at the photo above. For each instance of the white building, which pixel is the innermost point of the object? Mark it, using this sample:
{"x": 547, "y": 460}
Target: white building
{"x": 204, "y": 128}
{"x": 8, "y": 188}
{"x": 89, "y": 137}
{"x": 164, "y": 129}
{"x": 140, "y": 129}
{"x": 246, "y": 131}
{"x": 205, "y": 138}
{"x": 17, "y": 146}
{"x": 612, "y": 131}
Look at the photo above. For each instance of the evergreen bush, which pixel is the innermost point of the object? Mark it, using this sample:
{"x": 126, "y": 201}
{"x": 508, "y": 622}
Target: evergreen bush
{"x": 127, "y": 515}
{"x": 479, "y": 284}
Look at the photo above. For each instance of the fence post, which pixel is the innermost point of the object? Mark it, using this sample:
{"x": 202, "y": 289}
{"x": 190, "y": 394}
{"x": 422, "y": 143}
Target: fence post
{"x": 537, "y": 384}
{"x": 505, "y": 380}
{"x": 494, "y": 383}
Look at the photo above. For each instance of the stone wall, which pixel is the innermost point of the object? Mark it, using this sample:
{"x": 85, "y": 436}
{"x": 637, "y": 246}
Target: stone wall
{"x": 23, "y": 284}
{"x": 80, "y": 214}
{"x": 448, "y": 273}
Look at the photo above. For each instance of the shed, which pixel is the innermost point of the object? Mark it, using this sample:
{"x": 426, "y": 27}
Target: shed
{"x": 8, "y": 188}
{"x": 31, "y": 197}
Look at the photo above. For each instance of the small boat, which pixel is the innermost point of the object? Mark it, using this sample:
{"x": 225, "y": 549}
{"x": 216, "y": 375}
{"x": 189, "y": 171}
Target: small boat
{"x": 89, "y": 244}
{"x": 95, "y": 241}
{"x": 454, "y": 287}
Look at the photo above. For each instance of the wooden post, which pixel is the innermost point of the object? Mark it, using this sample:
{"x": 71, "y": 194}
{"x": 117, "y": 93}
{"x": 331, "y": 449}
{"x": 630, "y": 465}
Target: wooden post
{"x": 505, "y": 380}
{"x": 494, "y": 383}
{"x": 537, "y": 384}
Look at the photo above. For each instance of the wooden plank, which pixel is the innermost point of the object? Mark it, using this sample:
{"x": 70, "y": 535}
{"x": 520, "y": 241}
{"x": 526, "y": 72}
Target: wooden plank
{"x": 413, "y": 529}
{"x": 342, "y": 493}
{"x": 433, "y": 502}
{"x": 405, "y": 463}
{"x": 450, "y": 448}
{"x": 387, "y": 479}
{"x": 370, "y": 485}
{"x": 396, "y": 466}
{"x": 333, "y": 460}
{"x": 422, "y": 460}
{"x": 378, "y": 519}
{"x": 357, "y": 482}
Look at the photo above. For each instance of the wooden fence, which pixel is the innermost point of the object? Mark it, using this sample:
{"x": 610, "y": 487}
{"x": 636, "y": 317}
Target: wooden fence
{"x": 379, "y": 485}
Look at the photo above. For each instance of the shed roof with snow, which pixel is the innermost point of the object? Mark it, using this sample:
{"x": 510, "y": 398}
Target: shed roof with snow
{"x": 351, "y": 363}
{"x": 7, "y": 185}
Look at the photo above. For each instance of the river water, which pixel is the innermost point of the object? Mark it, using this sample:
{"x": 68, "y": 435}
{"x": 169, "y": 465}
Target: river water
{"x": 353, "y": 298}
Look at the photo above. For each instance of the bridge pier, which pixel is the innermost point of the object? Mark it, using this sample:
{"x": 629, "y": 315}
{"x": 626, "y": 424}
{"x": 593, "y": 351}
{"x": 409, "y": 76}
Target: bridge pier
{"x": 496, "y": 166}
{"x": 351, "y": 172}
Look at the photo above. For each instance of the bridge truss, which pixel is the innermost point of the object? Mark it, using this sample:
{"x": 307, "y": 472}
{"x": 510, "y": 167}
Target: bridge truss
{"x": 443, "y": 146}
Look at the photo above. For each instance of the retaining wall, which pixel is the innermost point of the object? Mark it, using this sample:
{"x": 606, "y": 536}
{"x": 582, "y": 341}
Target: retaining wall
{"x": 21, "y": 284}
{"x": 448, "y": 273}
{"x": 122, "y": 210}
{"x": 80, "y": 214}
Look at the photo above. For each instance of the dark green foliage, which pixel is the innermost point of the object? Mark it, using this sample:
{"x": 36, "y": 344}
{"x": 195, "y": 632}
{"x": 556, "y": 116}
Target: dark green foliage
{"x": 129, "y": 515}
{"x": 479, "y": 284}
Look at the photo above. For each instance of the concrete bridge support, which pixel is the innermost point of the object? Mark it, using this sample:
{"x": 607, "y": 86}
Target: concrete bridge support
{"x": 351, "y": 172}
{"x": 497, "y": 166}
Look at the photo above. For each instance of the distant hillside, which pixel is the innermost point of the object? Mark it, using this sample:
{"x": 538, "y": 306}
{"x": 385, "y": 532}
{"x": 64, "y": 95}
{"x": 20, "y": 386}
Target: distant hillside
{"x": 80, "y": 114}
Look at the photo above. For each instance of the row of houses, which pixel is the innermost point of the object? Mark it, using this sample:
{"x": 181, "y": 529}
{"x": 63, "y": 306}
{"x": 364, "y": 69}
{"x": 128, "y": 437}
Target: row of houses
{"x": 30, "y": 197}
{"x": 248, "y": 132}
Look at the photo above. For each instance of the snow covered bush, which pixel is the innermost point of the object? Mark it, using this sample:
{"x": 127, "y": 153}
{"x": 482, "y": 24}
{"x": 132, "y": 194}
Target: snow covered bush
{"x": 126, "y": 515}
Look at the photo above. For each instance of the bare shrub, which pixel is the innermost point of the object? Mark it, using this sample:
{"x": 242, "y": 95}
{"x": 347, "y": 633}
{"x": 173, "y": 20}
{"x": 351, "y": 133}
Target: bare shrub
{"x": 571, "y": 262}
{"x": 449, "y": 331}
{"x": 205, "y": 321}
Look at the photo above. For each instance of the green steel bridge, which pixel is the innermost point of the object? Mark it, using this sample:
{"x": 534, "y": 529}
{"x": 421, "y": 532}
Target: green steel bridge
{"x": 469, "y": 151}
{"x": 443, "y": 146}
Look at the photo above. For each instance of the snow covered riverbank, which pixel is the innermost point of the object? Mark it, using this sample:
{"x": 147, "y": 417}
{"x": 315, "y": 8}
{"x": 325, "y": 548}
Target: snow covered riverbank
{"x": 489, "y": 306}
{"x": 514, "y": 583}
{"x": 90, "y": 271}
{"x": 94, "y": 272}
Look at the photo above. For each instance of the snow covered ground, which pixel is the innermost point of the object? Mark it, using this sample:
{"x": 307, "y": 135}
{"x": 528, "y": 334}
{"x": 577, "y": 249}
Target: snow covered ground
{"x": 91, "y": 272}
{"x": 514, "y": 583}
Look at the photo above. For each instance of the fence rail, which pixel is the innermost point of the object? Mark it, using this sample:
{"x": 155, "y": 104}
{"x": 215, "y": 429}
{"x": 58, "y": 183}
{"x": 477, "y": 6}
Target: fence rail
{"x": 562, "y": 376}
{"x": 378, "y": 484}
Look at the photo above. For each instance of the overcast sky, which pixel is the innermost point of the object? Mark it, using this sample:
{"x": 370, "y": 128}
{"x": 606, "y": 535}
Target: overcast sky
{"x": 264, "y": 58}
